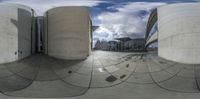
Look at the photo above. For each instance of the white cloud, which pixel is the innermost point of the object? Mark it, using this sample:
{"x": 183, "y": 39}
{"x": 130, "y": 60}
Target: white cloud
{"x": 103, "y": 32}
{"x": 129, "y": 20}
{"x": 40, "y": 6}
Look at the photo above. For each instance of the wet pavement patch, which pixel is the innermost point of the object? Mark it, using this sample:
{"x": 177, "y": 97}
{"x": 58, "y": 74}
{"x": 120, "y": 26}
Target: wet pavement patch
{"x": 161, "y": 62}
{"x": 127, "y": 59}
{"x": 111, "y": 78}
{"x": 122, "y": 76}
{"x": 69, "y": 72}
{"x": 127, "y": 65}
{"x": 141, "y": 57}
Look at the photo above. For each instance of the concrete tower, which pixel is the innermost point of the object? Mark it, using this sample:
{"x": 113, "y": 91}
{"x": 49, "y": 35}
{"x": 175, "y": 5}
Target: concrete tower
{"x": 68, "y": 32}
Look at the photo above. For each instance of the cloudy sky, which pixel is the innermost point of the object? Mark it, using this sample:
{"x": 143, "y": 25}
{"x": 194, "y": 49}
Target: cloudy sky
{"x": 116, "y": 18}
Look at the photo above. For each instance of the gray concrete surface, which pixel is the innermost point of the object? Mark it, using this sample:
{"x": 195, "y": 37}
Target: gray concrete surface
{"x": 102, "y": 75}
{"x": 68, "y": 32}
{"x": 178, "y": 32}
{"x": 15, "y": 32}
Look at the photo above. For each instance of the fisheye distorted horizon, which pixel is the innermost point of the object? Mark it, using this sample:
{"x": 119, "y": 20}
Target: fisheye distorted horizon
{"x": 115, "y": 18}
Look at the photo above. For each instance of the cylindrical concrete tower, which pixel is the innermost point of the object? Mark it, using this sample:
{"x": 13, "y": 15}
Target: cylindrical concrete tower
{"x": 68, "y": 32}
{"x": 179, "y": 32}
{"x": 16, "y": 32}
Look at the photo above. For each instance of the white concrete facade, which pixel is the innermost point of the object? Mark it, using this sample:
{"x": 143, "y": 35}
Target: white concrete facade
{"x": 68, "y": 32}
{"x": 16, "y": 32}
{"x": 179, "y": 32}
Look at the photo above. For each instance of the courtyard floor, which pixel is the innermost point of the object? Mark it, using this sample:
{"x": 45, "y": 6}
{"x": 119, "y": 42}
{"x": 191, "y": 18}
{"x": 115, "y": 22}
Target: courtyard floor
{"x": 103, "y": 75}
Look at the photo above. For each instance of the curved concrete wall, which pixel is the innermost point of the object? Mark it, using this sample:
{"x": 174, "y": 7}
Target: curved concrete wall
{"x": 179, "y": 32}
{"x": 67, "y": 33}
{"x": 16, "y": 22}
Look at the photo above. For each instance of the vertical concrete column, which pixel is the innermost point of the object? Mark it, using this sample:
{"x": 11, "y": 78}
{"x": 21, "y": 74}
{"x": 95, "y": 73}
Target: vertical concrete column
{"x": 68, "y": 32}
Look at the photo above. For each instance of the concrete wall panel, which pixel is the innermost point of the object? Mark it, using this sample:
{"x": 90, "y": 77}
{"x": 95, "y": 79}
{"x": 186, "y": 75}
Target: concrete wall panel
{"x": 68, "y": 32}
{"x": 179, "y": 32}
{"x": 15, "y": 32}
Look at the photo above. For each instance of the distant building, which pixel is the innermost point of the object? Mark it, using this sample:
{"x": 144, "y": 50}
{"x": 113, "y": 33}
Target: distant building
{"x": 134, "y": 45}
{"x": 104, "y": 45}
{"x": 121, "y": 44}
{"x": 39, "y": 33}
{"x": 97, "y": 45}
{"x": 113, "y": 45}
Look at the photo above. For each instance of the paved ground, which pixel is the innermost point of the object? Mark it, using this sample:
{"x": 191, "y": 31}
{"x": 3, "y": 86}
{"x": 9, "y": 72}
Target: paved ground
{"x": 103, "y": 75}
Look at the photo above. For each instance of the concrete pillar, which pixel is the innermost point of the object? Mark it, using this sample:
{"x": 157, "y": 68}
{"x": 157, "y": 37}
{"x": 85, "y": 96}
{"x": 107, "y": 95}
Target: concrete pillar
{"x": 68, "y": 32}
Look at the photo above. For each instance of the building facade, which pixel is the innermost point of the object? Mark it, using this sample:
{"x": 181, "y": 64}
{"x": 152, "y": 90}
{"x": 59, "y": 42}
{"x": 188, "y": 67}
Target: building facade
{"x": 16, "y": 32}
{"x": 178, "y": 32}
